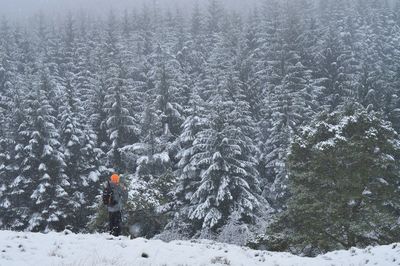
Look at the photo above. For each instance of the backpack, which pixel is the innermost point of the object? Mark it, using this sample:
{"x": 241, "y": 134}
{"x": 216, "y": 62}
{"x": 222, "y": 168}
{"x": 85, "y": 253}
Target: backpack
{"x": 108, "y": 195}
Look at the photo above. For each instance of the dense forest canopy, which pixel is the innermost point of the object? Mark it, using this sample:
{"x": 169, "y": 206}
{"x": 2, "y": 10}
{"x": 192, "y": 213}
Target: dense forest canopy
{"x": 199, "y": 109}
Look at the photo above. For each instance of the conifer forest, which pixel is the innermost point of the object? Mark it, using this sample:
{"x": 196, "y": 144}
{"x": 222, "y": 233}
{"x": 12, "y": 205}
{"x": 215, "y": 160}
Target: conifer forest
{"x": 276, "y": 128}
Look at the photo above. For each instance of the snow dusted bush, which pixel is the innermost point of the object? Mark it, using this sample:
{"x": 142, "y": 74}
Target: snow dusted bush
{"x": 235, "y": 231}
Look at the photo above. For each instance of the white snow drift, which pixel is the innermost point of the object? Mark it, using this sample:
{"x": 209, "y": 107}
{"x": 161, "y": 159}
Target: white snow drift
{"x": 20, "y": 248}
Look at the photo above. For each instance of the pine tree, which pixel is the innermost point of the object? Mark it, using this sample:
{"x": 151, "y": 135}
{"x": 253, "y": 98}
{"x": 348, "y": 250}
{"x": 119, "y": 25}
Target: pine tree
{"x": 288, "y": 100}
{"x": 6, "y": 145}
{"x": 153, "y": 179}
{"x": 168, "y": 105}
{"x": 214, "y": 10}
{"x": 188, "y": 175}
{"x": 122, "y": 128}
{"x": 19, "y": 183}
{"x": 343, "y": 178}
{"x": 7, "y": 82}
{"x": 82, "y": 166}
{"x": 229, "y": 179}
{"x": 196, "y": 21}
{"x": 41, "y": 180}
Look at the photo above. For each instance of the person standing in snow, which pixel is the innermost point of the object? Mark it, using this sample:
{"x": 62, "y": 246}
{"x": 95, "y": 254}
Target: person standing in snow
{"x": 114, "y": 197}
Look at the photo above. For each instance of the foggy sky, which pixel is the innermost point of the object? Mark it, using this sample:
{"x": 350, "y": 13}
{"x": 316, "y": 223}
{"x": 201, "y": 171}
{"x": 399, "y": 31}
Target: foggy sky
{"x": 26, "y": 8}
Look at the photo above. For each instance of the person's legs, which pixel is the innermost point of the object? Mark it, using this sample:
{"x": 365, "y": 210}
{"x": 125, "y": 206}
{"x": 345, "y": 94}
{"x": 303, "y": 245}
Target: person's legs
{"x": 118, "y": 220}
{"x": 115, "y": 223}
{"x": 110, "y": 222}
{"x": 111, "y": 216}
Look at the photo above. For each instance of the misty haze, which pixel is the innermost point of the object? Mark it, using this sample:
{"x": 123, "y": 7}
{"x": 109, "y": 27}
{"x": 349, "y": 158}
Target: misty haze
{"x": 237, "y": 132}
{"x": 21, "y": 9}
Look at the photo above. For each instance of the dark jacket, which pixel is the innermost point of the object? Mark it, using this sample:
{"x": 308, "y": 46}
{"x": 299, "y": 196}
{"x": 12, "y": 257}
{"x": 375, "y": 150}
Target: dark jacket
{"x": 120, "y": 196}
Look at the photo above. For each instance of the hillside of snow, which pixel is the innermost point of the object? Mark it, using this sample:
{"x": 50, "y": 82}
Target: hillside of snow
{"x": 21, "y": 248}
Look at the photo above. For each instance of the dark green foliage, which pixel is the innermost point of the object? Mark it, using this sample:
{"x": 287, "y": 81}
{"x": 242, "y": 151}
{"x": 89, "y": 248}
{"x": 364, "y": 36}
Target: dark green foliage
{"x": 344, "y": 177}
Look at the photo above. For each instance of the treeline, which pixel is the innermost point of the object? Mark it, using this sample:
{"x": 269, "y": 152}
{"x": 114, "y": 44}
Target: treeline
{"x": 198, "y": 113}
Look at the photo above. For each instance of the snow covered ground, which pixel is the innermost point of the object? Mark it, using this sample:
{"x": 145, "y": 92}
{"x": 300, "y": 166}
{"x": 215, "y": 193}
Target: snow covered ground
{"x": 19, "y": 248}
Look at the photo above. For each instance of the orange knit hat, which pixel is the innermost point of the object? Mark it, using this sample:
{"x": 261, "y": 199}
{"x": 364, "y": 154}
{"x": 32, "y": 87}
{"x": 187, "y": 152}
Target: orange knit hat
{"x": 115, "y": 178}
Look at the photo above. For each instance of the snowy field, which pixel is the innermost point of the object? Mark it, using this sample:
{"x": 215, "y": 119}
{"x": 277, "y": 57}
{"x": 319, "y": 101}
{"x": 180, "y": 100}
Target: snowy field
{"x": 18, "y": 248}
